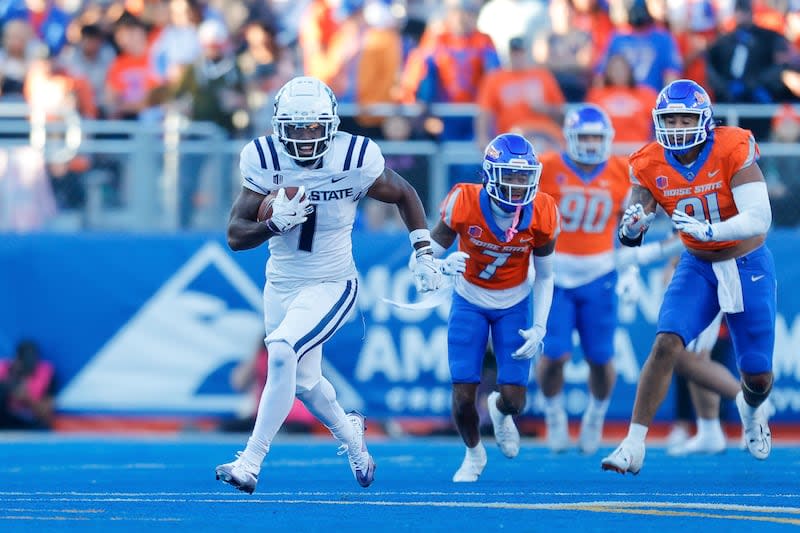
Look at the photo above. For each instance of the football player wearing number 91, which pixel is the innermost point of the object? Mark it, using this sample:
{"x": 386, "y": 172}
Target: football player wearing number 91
{"x": 708, "y": 181}
{"x": 499, "y": 225}
{"x": 312, "y": 284}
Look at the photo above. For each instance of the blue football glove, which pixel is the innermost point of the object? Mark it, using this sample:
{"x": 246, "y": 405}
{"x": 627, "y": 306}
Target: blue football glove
{"x": 700, "y": 230}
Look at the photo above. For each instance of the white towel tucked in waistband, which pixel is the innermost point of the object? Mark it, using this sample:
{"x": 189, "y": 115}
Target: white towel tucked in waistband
{"x": 729, "y": 286}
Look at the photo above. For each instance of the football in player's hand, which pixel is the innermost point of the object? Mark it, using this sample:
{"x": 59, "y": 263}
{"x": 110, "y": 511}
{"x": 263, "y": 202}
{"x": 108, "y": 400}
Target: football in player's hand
{"x": 265, "y": 209}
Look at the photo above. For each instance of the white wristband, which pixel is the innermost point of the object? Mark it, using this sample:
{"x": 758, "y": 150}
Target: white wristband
{"x": 419, "y": 235}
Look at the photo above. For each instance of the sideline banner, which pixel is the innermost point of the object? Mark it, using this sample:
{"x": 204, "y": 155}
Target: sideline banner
{"x": 154, "y": 324}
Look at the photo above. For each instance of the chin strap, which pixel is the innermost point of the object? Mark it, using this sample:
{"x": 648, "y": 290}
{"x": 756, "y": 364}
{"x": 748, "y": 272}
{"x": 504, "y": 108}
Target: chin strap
{"x": 512, "y": 230}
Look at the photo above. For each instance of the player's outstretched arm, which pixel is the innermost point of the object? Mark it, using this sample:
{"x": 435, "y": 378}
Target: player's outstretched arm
{"x": 244, "y": 232}
{"x": 392, "y": 188}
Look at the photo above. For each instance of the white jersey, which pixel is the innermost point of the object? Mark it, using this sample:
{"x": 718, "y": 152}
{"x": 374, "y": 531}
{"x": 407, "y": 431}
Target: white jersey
{"x": 320, "y": 249}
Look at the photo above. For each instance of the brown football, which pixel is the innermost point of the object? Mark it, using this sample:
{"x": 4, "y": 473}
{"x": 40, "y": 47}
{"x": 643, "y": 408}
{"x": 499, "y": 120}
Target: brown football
{"x": 265, "y": 209}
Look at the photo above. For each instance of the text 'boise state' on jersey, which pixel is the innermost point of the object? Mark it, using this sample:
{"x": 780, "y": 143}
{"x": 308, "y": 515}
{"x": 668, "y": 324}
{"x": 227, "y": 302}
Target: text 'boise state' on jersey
{"x": 321, "y": 248}
{"x": 590, "y": 205}
{"x": 702, "y": 189}
{"x": 495, "y": 264}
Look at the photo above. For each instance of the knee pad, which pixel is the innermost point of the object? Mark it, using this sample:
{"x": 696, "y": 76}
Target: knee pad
{"x": 756, "y": 393}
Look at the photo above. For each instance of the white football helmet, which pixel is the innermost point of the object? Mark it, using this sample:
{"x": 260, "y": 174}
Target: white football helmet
{"x": 305, "y": 118}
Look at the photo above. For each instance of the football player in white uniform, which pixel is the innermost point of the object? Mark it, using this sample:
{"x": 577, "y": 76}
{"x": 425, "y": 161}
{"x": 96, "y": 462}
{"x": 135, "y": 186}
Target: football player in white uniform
{"x": 312, "y": 281}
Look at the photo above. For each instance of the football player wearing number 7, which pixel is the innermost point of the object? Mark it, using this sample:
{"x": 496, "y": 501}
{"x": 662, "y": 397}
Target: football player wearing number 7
{"x": 312, "y": 281}
{"x": 707, "y": 179}
{"x": 499, "y": 224}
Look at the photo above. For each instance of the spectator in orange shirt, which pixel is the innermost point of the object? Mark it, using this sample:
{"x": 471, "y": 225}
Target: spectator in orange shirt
{"x": 131, "y": 76}
{"x": 627, "y": 103}
{"x": 449, "y": 64}
{"x": 524, "y": 98}
{"x": 364, "y": 62}
{"x": 318, "y": 23}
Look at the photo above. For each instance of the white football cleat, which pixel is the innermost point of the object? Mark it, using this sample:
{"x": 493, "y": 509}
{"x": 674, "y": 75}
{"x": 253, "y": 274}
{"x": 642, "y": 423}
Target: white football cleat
{"x": 239, "y": 474}
{"x": 677, "y": 437}
{"x": 628, "y": 457}
{"x": 591, "y": 433}
{"x": 557, "y": 426}
{"x": 708, "y": 443}
{"x": 756, "y": 431}
{"x": 472, "y": 466}
{"x": 361, "y": 462}
{"x": 506, "y": 433}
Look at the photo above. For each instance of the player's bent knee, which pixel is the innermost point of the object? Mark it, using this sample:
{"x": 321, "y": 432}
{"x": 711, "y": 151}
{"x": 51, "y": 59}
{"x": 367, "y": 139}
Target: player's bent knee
{"x": 280, "y": 354}
{"x": 756, "y": 387}
{"x": 667, "y": 346}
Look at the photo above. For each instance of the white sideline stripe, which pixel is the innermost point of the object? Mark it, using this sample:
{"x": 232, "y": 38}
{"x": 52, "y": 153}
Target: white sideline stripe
{"x": 564, "y": 506}
{"x": 400, "y": 493}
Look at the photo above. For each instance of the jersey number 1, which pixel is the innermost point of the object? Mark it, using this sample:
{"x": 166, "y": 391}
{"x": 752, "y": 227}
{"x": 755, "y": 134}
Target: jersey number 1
{"x": 307, "y": 232}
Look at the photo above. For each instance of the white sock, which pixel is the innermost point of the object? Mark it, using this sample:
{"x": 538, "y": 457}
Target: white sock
{"x": 597, "y": 407}
{"x": 477, "y": 452}
{"x": 276, "y": 401}
{"x": 749, "y": 410}
{"x": 637, "y": 432}
{"x": 708, "y": 426}
{"x": 554, "y": 404}
{"x": 321, "y": 402}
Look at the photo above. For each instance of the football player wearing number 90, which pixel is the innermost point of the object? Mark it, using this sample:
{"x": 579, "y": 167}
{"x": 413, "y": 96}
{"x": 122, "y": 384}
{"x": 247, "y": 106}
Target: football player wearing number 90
{"x": 708, "y": 181}
{"x": 590, "y": 186}
{"x": 312, "y": 284}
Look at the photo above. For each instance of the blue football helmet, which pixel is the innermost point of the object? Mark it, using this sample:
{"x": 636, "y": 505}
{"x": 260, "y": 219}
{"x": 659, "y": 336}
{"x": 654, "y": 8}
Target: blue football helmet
{"x": 682, "y": 97}
{"x": 583, "y": 121}
{"x": 511, "y": 171}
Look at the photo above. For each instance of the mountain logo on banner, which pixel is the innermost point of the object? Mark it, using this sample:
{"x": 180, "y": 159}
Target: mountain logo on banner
{"x": 175, "y": 354}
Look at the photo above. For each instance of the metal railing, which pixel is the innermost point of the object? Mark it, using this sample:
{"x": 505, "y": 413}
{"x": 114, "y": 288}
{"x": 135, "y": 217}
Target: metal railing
{"x": 150, "y": 156}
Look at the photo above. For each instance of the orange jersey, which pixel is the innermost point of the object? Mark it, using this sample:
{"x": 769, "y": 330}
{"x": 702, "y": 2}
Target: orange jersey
{"x": 629, "y": 109}
{"x": 589, "y": 204}
{"x": 509, "y": 95}
{"x": 494, "y": 263}
{"x": 702, "y": 189}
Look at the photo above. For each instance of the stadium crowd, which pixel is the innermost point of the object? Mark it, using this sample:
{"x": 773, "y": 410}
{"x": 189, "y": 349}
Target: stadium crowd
{"x": 520, "y": 61}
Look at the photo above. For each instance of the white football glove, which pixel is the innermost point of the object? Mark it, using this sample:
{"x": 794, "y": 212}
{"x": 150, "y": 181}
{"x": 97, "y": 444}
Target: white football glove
{"x": 628, "y": 288}
{"x": 287, "y": 214}
{"x": 702, "y": 231}
{"x": 635, "y": 221}
{"x": 454, "y": 264}
{"x": 533, "y": 343}
{"x": 427, "y": 276}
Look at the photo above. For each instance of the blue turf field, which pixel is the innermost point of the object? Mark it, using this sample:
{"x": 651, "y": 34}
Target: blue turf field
{"x": 114, "y": 484}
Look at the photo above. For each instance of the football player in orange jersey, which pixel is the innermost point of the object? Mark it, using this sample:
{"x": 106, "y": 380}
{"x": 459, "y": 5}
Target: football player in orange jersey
{"x": 590, "y": 187}
{"x": 708, "y": 181}
{"x": 498, "y": 224}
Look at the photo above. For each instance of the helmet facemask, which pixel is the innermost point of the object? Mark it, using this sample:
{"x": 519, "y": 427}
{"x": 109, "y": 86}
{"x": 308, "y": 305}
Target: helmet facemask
{"x": 305, "y": 119}
{"x": 677, "y": 136}
{"x": 589, "y": 147}
{"x": 512, "y": 184}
